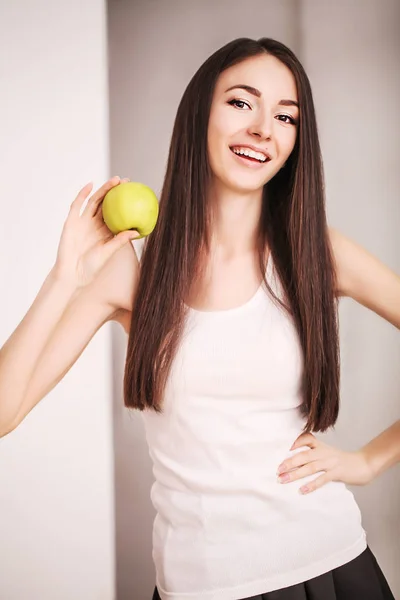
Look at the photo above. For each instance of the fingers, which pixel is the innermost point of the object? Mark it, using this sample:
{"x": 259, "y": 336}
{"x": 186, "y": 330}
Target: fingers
{"x": 297, "y": 460}
{"x": 120, "y": 240}
{"x": 309, "y": 469}
{"x": 98, "y": 196}
{"x": 81, "y": 197}
{"x": 316, "y": 484}
{"x": 97, "y": 207}
{"x": 95, "y": 200}
{"x": 305, "y": 439}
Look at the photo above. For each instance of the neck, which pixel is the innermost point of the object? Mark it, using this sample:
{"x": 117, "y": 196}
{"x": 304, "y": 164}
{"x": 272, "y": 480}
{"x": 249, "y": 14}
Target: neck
{"x": 235, "y": 218}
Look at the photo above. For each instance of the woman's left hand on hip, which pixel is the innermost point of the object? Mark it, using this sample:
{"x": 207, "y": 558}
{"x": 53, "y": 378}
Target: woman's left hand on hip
{"x": 337, "y": 465}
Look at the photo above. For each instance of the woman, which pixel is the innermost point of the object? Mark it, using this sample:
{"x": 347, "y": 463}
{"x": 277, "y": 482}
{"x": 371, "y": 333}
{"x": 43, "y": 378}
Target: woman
{"x": 233, "y": 352}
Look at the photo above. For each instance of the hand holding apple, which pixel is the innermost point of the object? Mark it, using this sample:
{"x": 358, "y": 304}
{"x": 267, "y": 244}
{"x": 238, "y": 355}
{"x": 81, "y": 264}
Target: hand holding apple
{"x": 86, "y": 243}
{"x": 130, "y": 205}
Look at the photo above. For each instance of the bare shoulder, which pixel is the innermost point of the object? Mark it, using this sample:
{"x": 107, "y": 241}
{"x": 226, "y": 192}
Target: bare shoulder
{"x": 365, "y": 278}
{"x": 117, "y": 282}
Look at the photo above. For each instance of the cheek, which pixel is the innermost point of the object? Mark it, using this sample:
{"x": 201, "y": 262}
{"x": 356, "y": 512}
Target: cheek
{"x": 212, "y": 148}
{"x": 222, "y": 125}
{"x": 287, "y": 145}
{"x": 212, "y": 134}
{"x": 292, "y": 140}
{"x": 217, "y": 142}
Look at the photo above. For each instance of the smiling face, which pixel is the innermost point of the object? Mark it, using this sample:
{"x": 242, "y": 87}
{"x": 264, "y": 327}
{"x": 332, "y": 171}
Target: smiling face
{"x": 253, "y": 123}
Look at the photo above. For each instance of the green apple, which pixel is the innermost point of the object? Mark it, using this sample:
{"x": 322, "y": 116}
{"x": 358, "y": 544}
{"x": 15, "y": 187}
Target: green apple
{"x": 130, "y": 205}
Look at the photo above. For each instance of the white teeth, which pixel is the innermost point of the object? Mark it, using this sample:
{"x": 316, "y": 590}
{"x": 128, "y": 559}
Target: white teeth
{"x": 251, "y": 153}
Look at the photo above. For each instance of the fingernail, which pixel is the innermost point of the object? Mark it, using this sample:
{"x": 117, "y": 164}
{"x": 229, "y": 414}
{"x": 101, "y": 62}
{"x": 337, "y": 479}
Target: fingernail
{"x": 304, "y": 490}
{"x": 283, "y": 478}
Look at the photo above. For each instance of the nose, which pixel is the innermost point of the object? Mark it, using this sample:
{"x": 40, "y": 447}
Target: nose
{"x": 261, "y": 127}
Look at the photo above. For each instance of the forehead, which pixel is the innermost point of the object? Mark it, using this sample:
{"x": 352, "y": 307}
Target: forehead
{"x": 264, "y": 72}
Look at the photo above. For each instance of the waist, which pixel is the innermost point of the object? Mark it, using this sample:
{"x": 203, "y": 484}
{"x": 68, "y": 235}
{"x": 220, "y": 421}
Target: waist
{"x": 217, "y": 543}
{"x": 249, "y": 505}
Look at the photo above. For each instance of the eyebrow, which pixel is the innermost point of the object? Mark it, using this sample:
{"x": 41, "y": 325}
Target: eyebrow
{"x": 255, "y": 92}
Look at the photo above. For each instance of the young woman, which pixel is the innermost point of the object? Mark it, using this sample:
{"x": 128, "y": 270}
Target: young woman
{"x": 233, "y": 354}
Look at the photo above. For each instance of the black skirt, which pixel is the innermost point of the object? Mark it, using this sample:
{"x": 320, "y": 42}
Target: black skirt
{"x": 359, "y": 579}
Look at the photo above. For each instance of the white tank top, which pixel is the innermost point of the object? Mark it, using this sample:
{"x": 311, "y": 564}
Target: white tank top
{"x": 225, "y": 528}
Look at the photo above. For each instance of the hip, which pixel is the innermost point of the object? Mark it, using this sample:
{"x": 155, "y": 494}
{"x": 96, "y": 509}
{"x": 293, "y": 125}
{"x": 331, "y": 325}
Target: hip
{"x": 360, "y": 577}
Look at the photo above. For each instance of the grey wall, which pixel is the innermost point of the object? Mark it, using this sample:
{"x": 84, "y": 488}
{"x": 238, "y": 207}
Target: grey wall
{"x": 350, "y": 50}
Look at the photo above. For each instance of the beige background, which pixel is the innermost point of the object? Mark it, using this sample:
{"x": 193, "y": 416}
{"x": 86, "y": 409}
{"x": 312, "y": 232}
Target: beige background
{"x": 59, "y": 507}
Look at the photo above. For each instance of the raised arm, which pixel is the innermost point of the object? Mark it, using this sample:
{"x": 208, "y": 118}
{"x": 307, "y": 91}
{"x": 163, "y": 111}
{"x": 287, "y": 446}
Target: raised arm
{"x": 78, "y": 296}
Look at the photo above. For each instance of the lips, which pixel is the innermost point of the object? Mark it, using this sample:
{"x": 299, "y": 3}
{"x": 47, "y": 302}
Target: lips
{"x": 242, "y": 154}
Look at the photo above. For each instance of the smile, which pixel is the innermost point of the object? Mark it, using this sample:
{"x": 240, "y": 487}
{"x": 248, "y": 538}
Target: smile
{"x": 249, "y": 156}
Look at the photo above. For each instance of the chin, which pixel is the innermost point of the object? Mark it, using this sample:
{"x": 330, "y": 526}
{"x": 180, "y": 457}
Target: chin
{"x": 242, "y": 186}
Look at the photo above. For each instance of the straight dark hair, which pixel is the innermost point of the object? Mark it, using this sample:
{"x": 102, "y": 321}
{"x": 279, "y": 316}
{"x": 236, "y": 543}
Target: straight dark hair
{"x": 292, "y": 226}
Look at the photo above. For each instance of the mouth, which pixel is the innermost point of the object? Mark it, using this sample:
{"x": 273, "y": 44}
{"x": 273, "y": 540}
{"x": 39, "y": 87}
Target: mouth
{"x": 250, "y": 155}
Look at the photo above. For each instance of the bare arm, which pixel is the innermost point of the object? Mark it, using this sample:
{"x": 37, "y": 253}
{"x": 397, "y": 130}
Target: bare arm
{"x": 383, "y": 451}
{"x": 20, "y": 353}
{"x": 370, "y": 282}
{"x": 57, "y": 329}
{"x": 365, "y": 279}
{"x": 106, "y": 299}
{"x": 79, "y": 295}
{"x": 58, "y": 307}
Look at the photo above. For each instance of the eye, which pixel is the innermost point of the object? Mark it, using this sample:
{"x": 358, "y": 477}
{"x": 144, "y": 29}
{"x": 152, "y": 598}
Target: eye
{"x": 236, "y": 102}
{"x": 291, "y": 120}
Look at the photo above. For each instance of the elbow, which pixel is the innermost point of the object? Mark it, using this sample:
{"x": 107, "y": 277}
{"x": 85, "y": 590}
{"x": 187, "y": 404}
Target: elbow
{"x": 7, "y": 426}
{"x": 5, "y": 430}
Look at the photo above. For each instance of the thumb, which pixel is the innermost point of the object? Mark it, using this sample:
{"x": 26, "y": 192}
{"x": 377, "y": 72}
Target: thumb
{"x": 120, "y": 240}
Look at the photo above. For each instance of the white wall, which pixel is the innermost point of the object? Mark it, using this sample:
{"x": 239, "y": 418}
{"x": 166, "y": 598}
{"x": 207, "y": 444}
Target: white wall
{"x": 56, "y": 469}
{"x": 350, "y": 50}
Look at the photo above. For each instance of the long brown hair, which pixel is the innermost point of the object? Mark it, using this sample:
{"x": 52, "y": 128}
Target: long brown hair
{"x": 292, "y": 225}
